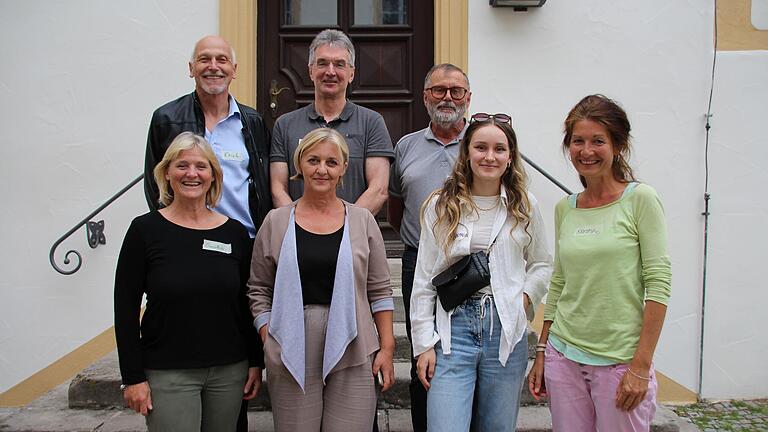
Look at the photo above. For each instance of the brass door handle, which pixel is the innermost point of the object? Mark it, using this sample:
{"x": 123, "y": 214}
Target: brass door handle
{"x": 274, "y": 92}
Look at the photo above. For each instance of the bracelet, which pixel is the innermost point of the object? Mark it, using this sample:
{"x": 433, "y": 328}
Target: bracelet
{"x": 540, "y": 350}
{"x": 638, "y": 376}
{"x": 541, "y": 345}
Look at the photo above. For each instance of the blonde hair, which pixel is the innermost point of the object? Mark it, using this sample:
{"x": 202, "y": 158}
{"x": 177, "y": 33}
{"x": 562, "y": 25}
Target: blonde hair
{"x": 188, "y": 141}
{"x": 315, "y": 137}
{"x": 457, "y": 190}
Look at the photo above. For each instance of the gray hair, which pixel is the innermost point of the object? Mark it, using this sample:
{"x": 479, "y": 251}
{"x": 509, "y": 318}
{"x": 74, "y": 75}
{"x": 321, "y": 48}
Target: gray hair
{"x": 444, "y": 67}
{"x": 335, "y": 38}
{"x": 232, "y": 56}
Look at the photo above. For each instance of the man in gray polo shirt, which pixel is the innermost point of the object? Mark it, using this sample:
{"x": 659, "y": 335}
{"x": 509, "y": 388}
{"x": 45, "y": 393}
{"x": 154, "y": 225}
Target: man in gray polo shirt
{"x": 332, "y": 69}
{"x": 423, "y": 160}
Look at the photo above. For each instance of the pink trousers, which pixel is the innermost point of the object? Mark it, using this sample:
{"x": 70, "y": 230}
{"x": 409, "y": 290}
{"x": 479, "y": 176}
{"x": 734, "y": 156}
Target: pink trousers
{"x": 582, "y": 398}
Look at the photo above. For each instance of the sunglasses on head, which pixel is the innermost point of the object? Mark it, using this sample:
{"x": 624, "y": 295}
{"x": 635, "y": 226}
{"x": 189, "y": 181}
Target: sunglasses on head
{"x": 499, "y": 117}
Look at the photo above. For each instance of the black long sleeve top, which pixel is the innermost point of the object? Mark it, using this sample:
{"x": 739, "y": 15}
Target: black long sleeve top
{"x": 196, "y": 312}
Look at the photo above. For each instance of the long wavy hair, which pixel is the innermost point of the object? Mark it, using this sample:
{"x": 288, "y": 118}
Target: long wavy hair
{"x": 607, "y": 112}
{"x": 457, "y": 190}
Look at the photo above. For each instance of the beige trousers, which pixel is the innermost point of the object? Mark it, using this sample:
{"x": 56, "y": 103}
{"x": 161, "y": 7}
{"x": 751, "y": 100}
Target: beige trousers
{"x": 347, "y": 400}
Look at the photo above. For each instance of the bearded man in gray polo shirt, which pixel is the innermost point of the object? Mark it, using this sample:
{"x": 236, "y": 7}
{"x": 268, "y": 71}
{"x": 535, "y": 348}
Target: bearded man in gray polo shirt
{"x": 423, "y": 160}
{"x": 332, "y": 69}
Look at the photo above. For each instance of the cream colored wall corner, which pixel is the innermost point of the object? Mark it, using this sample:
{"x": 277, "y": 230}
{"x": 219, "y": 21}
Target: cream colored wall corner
{"x": 237, "y": 24}
{"x": 451, "y": 39}
{"x": 735, "y": 29}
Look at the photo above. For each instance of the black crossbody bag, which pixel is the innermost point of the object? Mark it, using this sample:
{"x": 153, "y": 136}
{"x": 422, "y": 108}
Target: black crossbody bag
{"x": 464, "y": 278}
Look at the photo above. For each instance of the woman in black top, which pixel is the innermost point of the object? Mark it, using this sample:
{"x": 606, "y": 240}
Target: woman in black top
{"x": 195, "y": 355}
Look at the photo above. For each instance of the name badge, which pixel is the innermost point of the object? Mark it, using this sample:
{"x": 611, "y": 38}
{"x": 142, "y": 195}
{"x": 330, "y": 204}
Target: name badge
{"x": 232, "y": 156}
{"x": 217, "y": 246}
{"x": 461, "y": 232}
{"x": 588, "y": 230}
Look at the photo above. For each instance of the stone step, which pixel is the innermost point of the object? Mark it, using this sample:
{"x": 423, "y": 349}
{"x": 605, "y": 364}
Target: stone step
{"x": 399, "y": 312}
{"x": 530, "y": 419}
{"x": 399, "y": 397}
{"x": 98, "y": 387}
{"x": 50, "y": 413}
{"x": 402, "y": 345}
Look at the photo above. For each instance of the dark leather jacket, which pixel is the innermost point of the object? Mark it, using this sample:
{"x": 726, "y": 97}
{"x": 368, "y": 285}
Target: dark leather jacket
{"x": 186, "y": 114}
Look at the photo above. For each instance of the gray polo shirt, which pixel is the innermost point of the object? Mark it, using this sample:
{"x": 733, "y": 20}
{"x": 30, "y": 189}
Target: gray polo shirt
{"x": 422, "y": 163}
{"x": 365, "y": 132}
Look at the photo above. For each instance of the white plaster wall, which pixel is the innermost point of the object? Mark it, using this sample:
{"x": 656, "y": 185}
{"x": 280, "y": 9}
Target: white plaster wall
{"x": 736, "y": 346}
{"x": 652, "y": 56}
{"x": 759, "y": 15}
{"x": 79, "y": 81}
{"x": 82, "y": 77}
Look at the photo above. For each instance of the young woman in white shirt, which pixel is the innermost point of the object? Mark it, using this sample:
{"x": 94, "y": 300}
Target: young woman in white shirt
{"x": 479, "y": 347}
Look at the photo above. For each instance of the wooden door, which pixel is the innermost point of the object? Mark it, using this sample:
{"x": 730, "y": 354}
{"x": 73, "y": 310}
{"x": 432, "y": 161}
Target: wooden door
{"x": 394, "y": 49}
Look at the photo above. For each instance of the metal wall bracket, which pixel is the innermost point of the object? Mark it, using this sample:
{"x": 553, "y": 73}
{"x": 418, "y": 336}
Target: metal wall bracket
{"x": 95, "y": 232}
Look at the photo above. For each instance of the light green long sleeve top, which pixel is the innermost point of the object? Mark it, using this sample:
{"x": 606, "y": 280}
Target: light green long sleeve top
{"x": 608, "y": 261}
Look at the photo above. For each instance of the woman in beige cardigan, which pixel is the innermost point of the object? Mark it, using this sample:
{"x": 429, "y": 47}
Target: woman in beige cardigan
{"x": 320, "y": 297}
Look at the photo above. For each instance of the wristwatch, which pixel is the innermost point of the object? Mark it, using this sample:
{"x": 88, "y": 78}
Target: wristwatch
{"x": 122, "y": 387}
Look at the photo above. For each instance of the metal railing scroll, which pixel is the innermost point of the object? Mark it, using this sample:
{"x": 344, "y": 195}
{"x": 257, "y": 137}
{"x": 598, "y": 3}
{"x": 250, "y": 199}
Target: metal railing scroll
{"x": 94, "y": 233}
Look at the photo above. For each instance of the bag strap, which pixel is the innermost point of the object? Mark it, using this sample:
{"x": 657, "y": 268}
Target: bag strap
{"x": 490, "y": 246}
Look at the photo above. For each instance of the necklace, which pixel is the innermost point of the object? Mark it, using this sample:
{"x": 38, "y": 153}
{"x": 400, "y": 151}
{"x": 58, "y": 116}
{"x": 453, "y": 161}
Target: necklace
{"x": 495, "y": 204}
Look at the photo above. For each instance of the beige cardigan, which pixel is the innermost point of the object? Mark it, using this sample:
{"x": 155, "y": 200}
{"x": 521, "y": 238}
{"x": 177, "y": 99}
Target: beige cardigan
{"x": 371, "y": 274}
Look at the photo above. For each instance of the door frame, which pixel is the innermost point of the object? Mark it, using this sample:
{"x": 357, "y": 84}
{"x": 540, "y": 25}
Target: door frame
{"x": 237, "y": 24}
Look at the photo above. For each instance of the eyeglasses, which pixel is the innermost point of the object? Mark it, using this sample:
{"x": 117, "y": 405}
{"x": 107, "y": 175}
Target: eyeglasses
{"x": 324, "y": 64}
{"x": 499, "y": 117}
{"x": 457, "y": 93}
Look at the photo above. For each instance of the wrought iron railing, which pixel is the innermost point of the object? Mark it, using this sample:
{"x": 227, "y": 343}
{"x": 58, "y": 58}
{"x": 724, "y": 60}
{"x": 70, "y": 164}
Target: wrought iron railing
{"x": 546, "y": 174}
{"x": 94, "y": 232}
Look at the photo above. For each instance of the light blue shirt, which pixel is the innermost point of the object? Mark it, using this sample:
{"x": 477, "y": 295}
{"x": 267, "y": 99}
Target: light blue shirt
{"x": 229, "y": 146}
{"x": 579, "y": 356}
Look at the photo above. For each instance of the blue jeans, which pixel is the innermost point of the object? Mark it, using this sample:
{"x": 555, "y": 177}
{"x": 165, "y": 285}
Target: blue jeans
{"x": 474, "y": 363}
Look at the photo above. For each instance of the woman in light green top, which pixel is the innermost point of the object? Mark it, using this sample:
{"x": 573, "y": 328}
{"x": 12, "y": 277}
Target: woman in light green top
{"x": 611, "y": 283}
